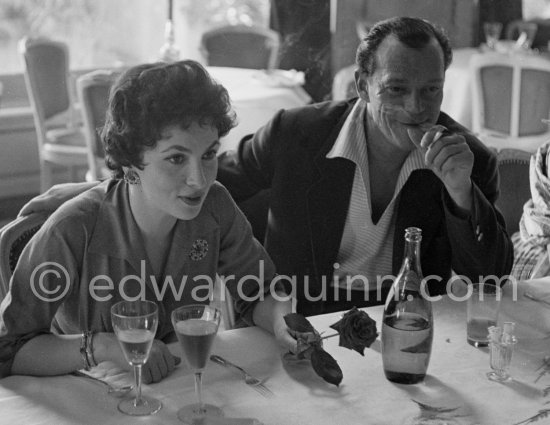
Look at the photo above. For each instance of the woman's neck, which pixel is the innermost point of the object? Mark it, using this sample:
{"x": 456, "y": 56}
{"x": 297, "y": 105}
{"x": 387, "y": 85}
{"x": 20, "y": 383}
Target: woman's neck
{"x": 153, "y": 223}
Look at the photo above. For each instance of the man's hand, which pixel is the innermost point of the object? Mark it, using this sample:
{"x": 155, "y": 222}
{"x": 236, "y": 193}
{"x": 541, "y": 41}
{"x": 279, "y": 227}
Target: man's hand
{"x": 450, "y": 158}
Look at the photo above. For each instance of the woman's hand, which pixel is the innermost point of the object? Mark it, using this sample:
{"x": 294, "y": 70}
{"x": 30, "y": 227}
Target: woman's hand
{"x": 286, "y": 337}
{"x": 160, "y": 363}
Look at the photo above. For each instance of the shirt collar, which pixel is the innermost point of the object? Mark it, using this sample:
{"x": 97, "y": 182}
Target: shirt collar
{"x": 352, "y": 130}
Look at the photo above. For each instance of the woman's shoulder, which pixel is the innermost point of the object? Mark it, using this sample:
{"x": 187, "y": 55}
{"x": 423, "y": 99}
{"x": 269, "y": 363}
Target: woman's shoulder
{"x": 83, "y": 209}
{"x": 218, "y": 199}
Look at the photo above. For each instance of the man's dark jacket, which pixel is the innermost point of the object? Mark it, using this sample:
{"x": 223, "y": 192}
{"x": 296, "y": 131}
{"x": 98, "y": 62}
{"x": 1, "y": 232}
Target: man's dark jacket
{"x": 310, "y": 196}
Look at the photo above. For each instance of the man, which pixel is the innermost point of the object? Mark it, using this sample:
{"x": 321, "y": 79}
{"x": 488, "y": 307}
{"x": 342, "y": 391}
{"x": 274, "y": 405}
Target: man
{"x": 347, "y": 178}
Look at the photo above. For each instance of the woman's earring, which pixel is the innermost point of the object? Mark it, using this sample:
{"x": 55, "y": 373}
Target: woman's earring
{"x": 131, "y": 177}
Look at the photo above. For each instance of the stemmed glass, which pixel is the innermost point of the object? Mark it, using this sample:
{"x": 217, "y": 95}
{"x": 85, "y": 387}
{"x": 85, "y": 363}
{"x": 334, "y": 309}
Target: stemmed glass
{"x": 135, "y": 324}
{"x": 196, "y": 327}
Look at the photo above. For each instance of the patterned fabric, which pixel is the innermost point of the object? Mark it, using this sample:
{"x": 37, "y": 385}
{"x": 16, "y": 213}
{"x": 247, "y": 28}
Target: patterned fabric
{"x": 19, "y": 244}
{"x": 531, "y": 243}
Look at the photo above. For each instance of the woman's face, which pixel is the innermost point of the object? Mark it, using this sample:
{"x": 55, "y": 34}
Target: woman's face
{"x": 180, "y": 170}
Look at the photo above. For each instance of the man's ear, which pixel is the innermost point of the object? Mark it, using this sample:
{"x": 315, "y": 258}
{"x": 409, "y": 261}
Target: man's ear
{"x": 361, "y": 85}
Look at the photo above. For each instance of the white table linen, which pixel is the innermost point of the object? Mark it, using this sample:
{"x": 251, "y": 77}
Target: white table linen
{"x": 456, "y": 380}
{"x": 457, "y": 91}
{"x": 256, "y": 98}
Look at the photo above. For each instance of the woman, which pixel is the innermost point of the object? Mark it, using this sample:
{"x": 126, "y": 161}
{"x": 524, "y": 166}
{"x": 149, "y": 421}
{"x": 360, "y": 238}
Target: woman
{"x": 160, "y": 229}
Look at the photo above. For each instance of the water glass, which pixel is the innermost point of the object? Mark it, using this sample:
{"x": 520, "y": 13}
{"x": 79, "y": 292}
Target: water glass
{"x": 482, "y": 309}
{"x": 135, "y": 325}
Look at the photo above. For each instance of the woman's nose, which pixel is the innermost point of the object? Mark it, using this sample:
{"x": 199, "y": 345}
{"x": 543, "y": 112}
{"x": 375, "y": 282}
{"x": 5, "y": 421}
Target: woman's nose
{"x": 196, "y": 176}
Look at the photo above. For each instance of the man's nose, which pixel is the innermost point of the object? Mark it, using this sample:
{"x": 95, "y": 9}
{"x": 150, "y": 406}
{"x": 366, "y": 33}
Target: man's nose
{"x": 414, "y": 102}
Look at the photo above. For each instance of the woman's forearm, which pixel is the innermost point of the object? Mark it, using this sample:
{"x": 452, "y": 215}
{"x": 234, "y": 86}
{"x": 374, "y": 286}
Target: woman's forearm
{"x": 51, "y": 354}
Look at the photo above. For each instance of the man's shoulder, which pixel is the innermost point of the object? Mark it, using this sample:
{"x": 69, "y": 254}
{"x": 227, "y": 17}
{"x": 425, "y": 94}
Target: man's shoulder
{"x": 322, "y": 112}
{"x": 309, "y": 127}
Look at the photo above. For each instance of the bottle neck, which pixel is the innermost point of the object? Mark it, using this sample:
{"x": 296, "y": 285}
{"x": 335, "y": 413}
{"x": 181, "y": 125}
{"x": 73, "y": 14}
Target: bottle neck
{"x": 412, "y": 255}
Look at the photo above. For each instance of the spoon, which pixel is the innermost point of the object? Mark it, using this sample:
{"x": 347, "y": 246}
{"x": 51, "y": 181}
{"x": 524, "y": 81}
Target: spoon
{"x": 114, "y": 391}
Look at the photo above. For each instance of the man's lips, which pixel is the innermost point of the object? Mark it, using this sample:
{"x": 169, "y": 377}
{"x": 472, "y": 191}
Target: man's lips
{"x": 423, "y": 126}
{"x": 416, "y": 131}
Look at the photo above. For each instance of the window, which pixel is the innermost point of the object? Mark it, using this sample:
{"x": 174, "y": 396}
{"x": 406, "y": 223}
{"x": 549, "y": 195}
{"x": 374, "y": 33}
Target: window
{"x": 533, "y": 9}
{"x": 106, "y": 33}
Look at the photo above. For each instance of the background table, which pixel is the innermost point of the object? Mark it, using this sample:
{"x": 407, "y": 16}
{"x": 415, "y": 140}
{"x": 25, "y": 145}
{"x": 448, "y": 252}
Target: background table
{"x": 457, "y": 94}
{"x": 256, "y": 98}
{"x": 456, "y": 382}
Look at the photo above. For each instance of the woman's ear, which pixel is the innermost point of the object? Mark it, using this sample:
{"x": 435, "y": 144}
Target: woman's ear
{"x": 361, "y": 85}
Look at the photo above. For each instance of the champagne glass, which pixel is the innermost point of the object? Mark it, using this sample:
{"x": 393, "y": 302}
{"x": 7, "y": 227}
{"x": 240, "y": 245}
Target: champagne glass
{"x": 135, "y": 324}
{"x": 196, "y": 327}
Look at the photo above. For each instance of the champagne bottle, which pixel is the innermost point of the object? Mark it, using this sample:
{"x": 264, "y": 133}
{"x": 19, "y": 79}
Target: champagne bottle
{"x": 407, "y": 323}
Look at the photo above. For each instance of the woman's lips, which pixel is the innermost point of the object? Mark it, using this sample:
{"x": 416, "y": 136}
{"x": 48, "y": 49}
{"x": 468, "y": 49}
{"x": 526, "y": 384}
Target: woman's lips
{"x": 192, "y": 200}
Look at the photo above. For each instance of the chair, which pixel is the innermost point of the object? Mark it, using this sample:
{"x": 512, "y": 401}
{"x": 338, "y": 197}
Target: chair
{"x": 93, "y": 93}
{"x": 511, "y": 100}
{"x": 241, "y": 46}
{"x": 60, "y": 142}
{"x": 14, "y": 237}
{"x": 515, "y": 28}
{"x": 515, "y": 190}
{"x": 343, "y": 84}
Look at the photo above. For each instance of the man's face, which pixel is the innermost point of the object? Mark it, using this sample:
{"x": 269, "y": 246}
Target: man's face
{"x": 405, "y": 90}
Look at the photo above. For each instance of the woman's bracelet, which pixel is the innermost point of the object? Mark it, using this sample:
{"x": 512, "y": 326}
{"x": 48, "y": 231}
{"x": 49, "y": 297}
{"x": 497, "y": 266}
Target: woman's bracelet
{"x": 87, "y": 350}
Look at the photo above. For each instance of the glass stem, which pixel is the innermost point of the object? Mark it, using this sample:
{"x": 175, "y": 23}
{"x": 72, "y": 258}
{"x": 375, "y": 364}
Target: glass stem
{"x": 137, "y": 376}
{"x": 198, "y": 390}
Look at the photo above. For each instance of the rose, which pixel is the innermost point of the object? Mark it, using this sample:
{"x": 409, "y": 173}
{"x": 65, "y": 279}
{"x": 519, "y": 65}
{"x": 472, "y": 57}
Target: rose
{"x": 357, "y": 330}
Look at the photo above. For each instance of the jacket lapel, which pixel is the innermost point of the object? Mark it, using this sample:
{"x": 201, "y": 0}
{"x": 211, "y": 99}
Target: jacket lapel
{"x": 327, "y": 203}
{"x": 419, "y": 206}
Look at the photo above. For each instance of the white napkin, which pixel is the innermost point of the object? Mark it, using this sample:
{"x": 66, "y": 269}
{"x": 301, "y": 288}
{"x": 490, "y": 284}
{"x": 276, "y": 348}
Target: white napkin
{"x": 538, "y": 290}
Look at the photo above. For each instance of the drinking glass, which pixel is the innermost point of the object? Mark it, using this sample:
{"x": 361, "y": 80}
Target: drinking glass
{"x": 501, "y": 347}
{"x": 135, "y": 324}
{"x": 492, "y": 32}
{"x": 196, "y": 326}
{"x": 482, "y": 308}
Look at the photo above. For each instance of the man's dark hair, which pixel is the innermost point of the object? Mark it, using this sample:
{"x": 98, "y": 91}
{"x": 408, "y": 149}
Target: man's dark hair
{"x": 413, "y": 32}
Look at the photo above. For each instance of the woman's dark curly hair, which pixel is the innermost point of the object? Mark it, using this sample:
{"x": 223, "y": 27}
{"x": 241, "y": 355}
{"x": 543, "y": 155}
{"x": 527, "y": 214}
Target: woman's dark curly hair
{"x": 413, "y": 32}
{"x": 148, "y": 98}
